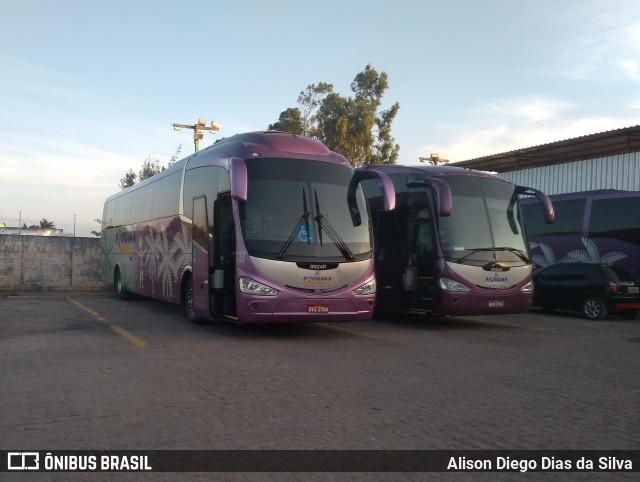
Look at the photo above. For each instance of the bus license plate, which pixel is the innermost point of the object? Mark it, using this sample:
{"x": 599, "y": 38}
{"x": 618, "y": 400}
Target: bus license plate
{"x": 496, "y": 303}
{"x": 317, "y": 309}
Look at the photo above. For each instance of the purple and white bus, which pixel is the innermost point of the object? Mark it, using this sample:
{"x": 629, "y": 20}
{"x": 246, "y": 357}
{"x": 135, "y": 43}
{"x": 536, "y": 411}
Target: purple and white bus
{"x": 258, "y": 228}
{"x": 454, "y": 245}
{"x": 591, "y": 226}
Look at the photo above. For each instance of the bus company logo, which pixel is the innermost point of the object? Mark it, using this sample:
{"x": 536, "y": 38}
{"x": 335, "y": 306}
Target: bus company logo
{"x": 23, "y": 461}
{"x": 317, "y": 266}
{"x": 316, "y": 278}
{"x": 496, "y": 279}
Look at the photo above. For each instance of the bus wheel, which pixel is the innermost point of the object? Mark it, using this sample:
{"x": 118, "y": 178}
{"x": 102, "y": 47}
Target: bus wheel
{"x": 121, "y": 292}
{"x": 594, "y": 308}
{"x": 189, "y": 310}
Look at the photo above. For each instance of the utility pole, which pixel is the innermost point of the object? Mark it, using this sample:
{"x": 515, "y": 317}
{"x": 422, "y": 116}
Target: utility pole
{"x": 198, "y": 130}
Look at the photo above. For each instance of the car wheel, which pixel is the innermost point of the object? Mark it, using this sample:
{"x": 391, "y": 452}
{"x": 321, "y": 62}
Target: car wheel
{"x": 189, "y": 310}
{"x": 594, "y": 309}
{"x": 630, "y": 314}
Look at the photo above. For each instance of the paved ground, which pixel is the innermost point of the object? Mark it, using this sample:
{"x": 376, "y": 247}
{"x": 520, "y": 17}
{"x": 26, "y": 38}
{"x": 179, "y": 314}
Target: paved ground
{"x": 87, "y": 371}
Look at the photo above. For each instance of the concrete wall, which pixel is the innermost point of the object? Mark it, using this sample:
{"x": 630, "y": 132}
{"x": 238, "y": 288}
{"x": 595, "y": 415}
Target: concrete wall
{"x": 49, "y": 263}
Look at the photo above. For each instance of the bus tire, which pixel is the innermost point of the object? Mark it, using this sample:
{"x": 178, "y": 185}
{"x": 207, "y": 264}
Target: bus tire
{"x": 594, "y": 308}
{"x": 189, "y": 310}
{"x": 121, "y": 292}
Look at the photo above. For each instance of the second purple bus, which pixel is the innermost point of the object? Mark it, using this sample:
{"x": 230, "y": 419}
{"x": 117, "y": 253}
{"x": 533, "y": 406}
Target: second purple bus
{"x": 601, "y": 226}
{"x": 261, "y": 227}
{"x": 455, "y": 244}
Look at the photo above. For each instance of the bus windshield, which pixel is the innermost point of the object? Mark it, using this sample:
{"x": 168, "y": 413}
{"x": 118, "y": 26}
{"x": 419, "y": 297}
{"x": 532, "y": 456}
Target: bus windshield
{"x": 485, "y": 224}
{"x": 296, "y": 210}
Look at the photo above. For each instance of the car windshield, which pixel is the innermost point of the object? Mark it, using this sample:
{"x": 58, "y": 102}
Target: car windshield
{"x": 485, "y": 223}
{"x": 297, "y": 210}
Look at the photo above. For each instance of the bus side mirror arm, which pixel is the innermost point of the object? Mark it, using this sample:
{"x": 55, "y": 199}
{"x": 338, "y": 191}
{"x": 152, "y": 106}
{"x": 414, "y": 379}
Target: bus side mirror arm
{"x": 383, "y": 181}
{"x": 443, "y": 191}
{"x": 239, "y": 179}
{"x": 547, "y": 206}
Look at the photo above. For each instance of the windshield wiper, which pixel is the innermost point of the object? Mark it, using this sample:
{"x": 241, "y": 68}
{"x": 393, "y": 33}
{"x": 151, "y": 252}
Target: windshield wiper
{"x": 303, "y": 219}
{"x": 335, "y": 237}
{"x": 518, "y": 252}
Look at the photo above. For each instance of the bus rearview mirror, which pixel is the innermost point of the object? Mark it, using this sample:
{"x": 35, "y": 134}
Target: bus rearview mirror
{"x": 239, "y": 180}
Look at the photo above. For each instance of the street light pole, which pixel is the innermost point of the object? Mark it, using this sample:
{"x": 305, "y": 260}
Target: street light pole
{"x": 198, "y": 130}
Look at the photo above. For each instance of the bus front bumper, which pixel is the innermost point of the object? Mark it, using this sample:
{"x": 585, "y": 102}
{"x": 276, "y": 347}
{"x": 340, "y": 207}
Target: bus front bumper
{"x": 305, "y": 310}
{"x": 461, "y": 303}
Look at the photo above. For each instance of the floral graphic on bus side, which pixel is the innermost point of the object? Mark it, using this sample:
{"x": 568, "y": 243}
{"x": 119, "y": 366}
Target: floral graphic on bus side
{"x": 591, "y": 254}
{"x": 167, "y": 260}
{"x": 547, "y": 258}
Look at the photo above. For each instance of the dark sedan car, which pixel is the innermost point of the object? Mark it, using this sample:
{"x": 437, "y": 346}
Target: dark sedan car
{"x": 593, "y": 289}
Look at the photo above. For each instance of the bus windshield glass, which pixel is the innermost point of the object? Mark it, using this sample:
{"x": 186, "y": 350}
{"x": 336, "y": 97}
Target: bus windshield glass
{"x": 485, "y": 224}
{"x": 297, "y": 210}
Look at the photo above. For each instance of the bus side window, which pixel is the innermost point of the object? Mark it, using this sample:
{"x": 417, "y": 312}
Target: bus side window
{"x": 198, "y": 181}
{"x": 617, "y": 218}
{"x": 200, "y": 236}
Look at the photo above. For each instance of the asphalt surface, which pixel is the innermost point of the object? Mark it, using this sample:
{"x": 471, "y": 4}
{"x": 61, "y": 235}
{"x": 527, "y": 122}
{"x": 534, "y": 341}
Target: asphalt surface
{"x": 85, "y": 371}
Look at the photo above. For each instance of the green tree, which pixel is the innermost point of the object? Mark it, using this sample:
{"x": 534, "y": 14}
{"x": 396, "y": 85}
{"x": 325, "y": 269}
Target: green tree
{"x": 44, "y": 224}
{"x": 356, "y": 127}
{"x": 290, "y": 120}
{"x": 150, "y": 167}
{"x": 301, "y": 120}
{"x": 97, "y": 233}
{"x": 128, "y": 180}
{"x": 176, "y": 157}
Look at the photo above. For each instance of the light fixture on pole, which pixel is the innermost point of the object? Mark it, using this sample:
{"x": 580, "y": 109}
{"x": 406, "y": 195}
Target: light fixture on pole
{"x": 198, "y": 130}
{"x": 434, "y": 160}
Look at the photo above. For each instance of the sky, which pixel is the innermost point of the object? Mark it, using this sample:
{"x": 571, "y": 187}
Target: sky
{"x": 89, "y": 90}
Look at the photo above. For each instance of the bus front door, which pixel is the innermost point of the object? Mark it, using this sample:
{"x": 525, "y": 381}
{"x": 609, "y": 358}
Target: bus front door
{"x": 421, "y": 252}
{"x": 200, "y": 261}
{"x": 224, "y": 262}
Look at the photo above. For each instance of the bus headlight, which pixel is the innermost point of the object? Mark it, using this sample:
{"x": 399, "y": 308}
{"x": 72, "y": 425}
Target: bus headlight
{"x": 528, "y": 288}
{"x": 452, "y": 285}
{"x": 368, "y": 288}
{"x": 251, "y": 287}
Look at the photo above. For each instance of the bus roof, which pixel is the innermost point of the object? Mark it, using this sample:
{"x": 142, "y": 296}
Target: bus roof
{"x": 429, "y": 170}
{"x": 272, "y": 144}
{"x": 267, "y": 144}
{"x": 596, "y": 194}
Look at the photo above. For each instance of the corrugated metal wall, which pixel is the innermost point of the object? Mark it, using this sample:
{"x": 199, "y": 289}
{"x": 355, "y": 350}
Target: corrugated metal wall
{"x": 614, "y": 172}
